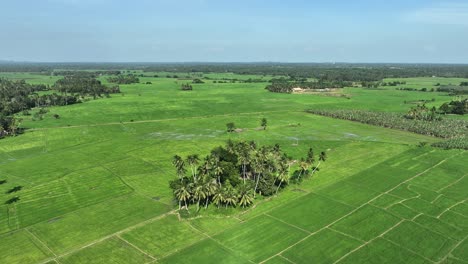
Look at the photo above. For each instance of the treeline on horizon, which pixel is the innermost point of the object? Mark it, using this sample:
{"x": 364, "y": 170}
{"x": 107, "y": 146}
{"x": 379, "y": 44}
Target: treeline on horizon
{"x": 339, "y": 71}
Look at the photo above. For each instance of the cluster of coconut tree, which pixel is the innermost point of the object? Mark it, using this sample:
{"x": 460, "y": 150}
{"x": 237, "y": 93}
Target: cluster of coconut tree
{"x": 438, "y": 127}
{"x": 422, "y": 112}
{"x": 234, "y": 174}
{"x": 460, "y": 142}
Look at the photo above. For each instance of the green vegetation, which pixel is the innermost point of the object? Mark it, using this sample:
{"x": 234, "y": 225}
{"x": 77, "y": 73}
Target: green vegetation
{"x": 459, "y": 107}
{"x": 420, "y": 121}
{"x": 186, "y": 87}
{"x": 286, "y": 86}
{"x": 234, "y": 174}
{"x": 19, "y": 96}
{"x": 90, "y": 182}
{"x": 124, "y": 79}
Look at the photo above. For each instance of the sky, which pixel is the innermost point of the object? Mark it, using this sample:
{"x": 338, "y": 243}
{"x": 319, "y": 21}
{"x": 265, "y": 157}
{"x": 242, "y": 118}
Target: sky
{"x": 398, "y": 31}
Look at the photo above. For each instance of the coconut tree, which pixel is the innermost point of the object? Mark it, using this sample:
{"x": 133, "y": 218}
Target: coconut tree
{"x": 245, "y": 195}
{"x": 199, "y": 193}
{"x": 179, "y": 164}
{"x": 206, "y": 167}
{"x": 263, "y": 123}
{"x": 230, "y": 127}
{"x": 303, "y": 167}
{"x": 310, "y": 156}
{"x": 230, "y": 196}
{"x": 209, "y": 187}
{"x": 258, "y": 169}
{"x": 192, "y": 161}
{"x": 182, "y": 194}
{"x": 218, "y": 197}
{"x": 283, "y": 172}
{"x": 322, "y": 157}
{"x": 217, "y": 168}
{"x": 242, "y": 152}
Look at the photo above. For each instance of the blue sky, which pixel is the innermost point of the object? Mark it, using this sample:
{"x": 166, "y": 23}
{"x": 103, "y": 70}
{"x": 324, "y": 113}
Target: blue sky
{"x": 234, "y": 31}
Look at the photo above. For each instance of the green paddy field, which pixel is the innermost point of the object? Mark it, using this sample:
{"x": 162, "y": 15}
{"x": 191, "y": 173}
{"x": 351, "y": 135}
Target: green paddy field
{"x": 95, "y": 181}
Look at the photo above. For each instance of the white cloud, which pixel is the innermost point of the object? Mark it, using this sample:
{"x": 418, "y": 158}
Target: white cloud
{"x": 442, "y": 14}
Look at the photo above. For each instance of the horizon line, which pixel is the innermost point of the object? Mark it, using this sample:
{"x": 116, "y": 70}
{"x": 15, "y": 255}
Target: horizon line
{"x": 226, "y": 62}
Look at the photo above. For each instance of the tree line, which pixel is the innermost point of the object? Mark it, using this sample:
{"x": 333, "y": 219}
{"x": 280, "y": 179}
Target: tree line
{"x": 283, "y": 85}
{"x": 438, "y": 127}
{"x": 458, "y": 107}
{"x": 234, "y": 174}
{"x": 335, "y": 71}
{"x": 124, "y": 79}
{"x": 19, "y": 96}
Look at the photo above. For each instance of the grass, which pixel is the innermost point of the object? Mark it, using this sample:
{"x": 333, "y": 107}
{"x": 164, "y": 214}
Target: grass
{"x": 21, "y": 247}
{"x": 206, "y": 251}
{"x": 263, "y": 230}
{"x": 333, "y": 246}
{"x": 366, "y": 223}
{"x": 163, "y": 237}
{"x": 94, "y": 222}
{"x": 95, "y": 181}
{"x": 427, "y": 243}
{"x": 112, "y": 250}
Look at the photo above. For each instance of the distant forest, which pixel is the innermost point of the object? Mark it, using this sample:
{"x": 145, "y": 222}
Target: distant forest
{"x": 330, "y": 71}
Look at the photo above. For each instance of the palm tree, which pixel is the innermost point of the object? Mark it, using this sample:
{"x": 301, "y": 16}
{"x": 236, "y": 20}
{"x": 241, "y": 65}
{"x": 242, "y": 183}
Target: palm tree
{"x": 264, "y": 123}
{"x": 218, "y": 197}
{"x": 230, "y": 127}
{"x": 199, "y": 194}
{"x": 179, "y": 164}
{"x": 303, "y": 167}
{"x": 230, "y": 196}
{"x": 322, "y": 157}
{"x": 242, "y": 153}
{"x": 192, "y": 161}
{"x": 310, "y": 156}
{"x": 245, "y": 195}
{"x": 283, "y": 172}
{"x": 217, "y": 169}
{"x": 258, "y": 168}
{"x": 206, "y": 167}
{"x": 253, "y": 145}
{"x": 182, "y": 194}
{"x": 209, "y": 187}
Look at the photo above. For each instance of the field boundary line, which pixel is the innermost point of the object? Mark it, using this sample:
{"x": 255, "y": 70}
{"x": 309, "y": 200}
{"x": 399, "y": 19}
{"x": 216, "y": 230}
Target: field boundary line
{"x": 332, "y": 199}
{"x": 40, "y": 241}
{"x": 284, "y": 222}
{"x": 218, "y": 242}
{"x": 188, "y": 222}
{"x": 77, "y": 209}
{"x": 96, "y": 241}
{"x": 453, "y": 183}
{"x": 452, "y": 249}
{"x": 368, "y": 242}
{"x": 437, "y": 198}
{"x": 285, "y": 258}
{"x": 344, "y": 234}
{"x": 414, "y": 252}
{"x": 134, "y": 246}
{"x": 361, "y": 206}
{"x": 450, "y": 207}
